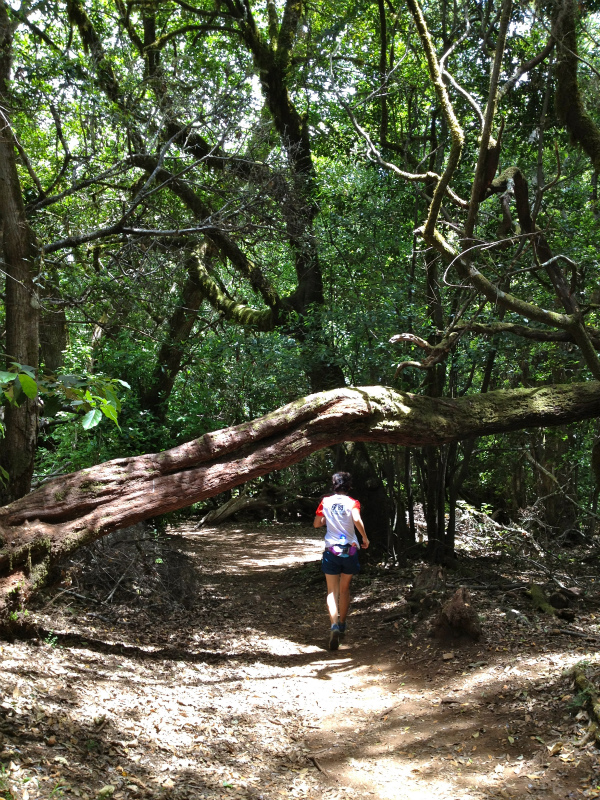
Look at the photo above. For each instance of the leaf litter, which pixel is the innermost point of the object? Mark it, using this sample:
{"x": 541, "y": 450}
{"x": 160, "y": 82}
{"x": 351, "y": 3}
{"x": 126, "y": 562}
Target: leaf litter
{"x": 195, "y": 666}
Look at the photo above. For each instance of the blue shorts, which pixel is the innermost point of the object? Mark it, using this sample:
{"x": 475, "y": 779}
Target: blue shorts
{"x": 336, "y": 565}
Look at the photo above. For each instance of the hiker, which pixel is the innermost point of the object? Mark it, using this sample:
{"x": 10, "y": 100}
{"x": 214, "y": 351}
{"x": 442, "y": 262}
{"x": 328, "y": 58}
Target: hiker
{"x": 341, "y": 513}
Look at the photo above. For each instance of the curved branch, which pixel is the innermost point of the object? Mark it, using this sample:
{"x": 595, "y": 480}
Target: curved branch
{"x": 526, "y": 67}
{"x": 569, "y": 103}
{"x": 410, "y": 337}
{"x": 576, "y": 325}
{"x": 239, "y": 313}
{"x": 374, "y": 154}
{"x": 526, "y": 332}
{"x": 22, "y": 16}
{"x": 456, "y": 133}
{"x": 468, "y": 97}
{"x": 167, "y": 37}
{"x": 437, "y": 353}
{"x": 493, "y": 293}
{"x": 226, "y": 245}
{"x": 482, "y": 168}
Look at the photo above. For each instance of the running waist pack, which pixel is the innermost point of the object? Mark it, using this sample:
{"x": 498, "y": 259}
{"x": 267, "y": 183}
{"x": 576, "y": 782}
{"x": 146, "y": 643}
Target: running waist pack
{"x": 343, "y": 552}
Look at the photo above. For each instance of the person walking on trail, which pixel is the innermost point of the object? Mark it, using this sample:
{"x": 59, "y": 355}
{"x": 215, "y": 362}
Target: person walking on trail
{"x": 341, "y": 514}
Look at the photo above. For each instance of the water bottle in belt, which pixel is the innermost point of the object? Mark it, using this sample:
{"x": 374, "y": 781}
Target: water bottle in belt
{"x": 343, "y": 546}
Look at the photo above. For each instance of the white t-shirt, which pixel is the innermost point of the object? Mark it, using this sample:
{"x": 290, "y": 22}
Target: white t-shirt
{"x": 337, "y": 510}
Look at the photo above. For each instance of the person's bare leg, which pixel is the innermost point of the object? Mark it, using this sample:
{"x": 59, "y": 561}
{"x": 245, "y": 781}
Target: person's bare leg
{"x": 344, "y": 601}
{"x": 333, "y": 592}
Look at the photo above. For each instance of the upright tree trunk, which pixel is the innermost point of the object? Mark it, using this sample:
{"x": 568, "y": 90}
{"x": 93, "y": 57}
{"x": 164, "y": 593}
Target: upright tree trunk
{"x": 155, "y": 397}
{"x": 368, "y": 489}
{"x": 438, "y": 551}
{"x": 17, "y": 450}
{"x": 53, "y": 328}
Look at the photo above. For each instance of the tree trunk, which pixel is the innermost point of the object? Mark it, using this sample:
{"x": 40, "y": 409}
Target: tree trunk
{"x": 22, "y": 303}
{"x": 155, "y": 397}
{"x": 66, "y": 513}
{"x": 435, "y": 457}
{"x": 368, "y": 489}
{"x": 53, "y": 327}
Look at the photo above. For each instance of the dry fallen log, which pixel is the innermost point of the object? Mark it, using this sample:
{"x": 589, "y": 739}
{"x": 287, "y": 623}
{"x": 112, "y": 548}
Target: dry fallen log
{"x": 50, "y": 523}
{"x": 569, "y": 632}
{"x": 232, "y": 507}
{"x": 271, "y": 499}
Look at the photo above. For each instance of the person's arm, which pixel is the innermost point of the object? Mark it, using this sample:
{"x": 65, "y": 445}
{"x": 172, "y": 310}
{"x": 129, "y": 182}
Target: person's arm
{"x": 319, "y": 521}
{"x": 358, "y": 523}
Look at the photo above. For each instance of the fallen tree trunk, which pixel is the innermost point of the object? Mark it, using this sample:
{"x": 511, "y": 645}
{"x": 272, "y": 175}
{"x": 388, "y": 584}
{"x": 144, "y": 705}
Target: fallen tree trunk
{"x": 267, "y": 500}
{"x": 232, "y": 507}
{"x": 50, "y": 523}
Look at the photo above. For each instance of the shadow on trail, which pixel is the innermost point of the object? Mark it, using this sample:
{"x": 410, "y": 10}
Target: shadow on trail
{"x": 234, "y": 690}
{"x": 86, "y": 643}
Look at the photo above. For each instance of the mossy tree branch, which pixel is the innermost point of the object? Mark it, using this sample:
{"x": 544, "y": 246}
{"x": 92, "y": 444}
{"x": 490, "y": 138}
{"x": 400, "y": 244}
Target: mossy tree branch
{"x": 456, "y": 132}
{"x": 569, "y": 103}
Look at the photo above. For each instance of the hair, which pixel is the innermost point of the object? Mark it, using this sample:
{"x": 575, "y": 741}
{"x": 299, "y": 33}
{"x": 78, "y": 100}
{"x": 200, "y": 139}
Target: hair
{"x": 341, "y": 482}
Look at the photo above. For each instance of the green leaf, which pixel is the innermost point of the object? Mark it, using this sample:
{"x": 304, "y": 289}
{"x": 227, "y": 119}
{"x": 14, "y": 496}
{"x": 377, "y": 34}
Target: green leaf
{"x": 91, "y": 419}
{"x": 52, "y": 405}
{"x": 7, "y": 377}
{"x": 110, "y": 412}
{"x": 24, "y": 368}
{"x": 70, "y": 380}
{"x": 111, "y": 397}
{"x": 28, "y": 385}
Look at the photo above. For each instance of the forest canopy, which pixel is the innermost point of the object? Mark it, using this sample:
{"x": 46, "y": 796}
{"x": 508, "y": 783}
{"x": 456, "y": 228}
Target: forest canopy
{"x": 211, "y": 209}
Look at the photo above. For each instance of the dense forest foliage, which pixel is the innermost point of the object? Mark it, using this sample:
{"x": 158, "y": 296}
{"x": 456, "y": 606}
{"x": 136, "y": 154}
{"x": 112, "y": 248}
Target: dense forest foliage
{"x": 211, "y": 209}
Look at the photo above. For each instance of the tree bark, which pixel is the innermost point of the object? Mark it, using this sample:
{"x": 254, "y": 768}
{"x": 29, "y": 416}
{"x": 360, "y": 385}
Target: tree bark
{"x": 53, "y": 327}
{"x": 66, "y": 513}
{"x": 22, "y": 303}
{"x": 155, "y": 397}
{"x": 368, "y": 489}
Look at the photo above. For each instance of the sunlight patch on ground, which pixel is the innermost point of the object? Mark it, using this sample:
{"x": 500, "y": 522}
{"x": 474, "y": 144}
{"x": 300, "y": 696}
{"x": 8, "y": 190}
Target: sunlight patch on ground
{"x": 284, "y": 647}
{"x": 546, "y": 663}
{"x": 254, "y": 696}
{"x": 240, "y": 552}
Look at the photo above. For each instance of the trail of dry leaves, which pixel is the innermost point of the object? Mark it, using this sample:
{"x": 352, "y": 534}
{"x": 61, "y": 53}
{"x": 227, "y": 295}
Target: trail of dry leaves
{"x": 220, "y": 684}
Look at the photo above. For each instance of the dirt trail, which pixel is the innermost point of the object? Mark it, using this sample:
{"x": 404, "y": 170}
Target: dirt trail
{"x": 239, "y": 697}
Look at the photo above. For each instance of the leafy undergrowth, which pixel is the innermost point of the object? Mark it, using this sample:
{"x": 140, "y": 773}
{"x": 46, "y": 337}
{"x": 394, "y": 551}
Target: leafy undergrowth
{"x": 195, "y": 666}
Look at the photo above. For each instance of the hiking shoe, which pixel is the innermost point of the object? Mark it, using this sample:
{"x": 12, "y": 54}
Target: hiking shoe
{"x": 334, "y": 637}
{"x": 342, "y": 627}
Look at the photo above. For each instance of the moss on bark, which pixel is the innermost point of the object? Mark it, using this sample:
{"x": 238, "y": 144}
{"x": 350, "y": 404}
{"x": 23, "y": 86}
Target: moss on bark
{"x": 540, "y": 601}
{"x": 568, "y": 100}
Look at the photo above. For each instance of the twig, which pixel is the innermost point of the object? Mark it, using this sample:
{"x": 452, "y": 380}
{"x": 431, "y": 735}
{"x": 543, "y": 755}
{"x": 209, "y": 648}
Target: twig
{"x": 393, "y": 617}
{"x": 116, "y": 586}
{"x": 559, "y": 631}
{"x": 320, "y": 768}
{"x": 553, "y": 478}
{"x": 99, "y": 616}
{"x": 74, "y": 594}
